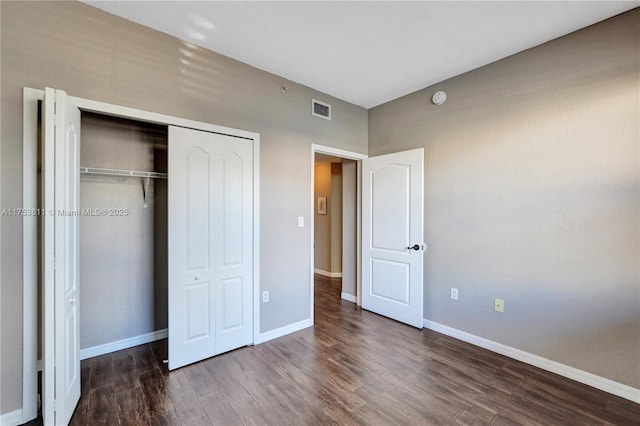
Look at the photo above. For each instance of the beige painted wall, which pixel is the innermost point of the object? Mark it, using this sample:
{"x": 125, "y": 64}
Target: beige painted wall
{"x": 532, "y": 196}
{"x": 349, "y": 227}
{"x": 336, "y": 218}
{"x": 322, "y": 224}
{"x": 94, "y": 55}
{"x": 328, "y": 227}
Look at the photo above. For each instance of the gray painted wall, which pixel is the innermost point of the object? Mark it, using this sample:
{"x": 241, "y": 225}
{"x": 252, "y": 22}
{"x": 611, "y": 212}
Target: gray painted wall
{"x": 94, "y": 55}
{"x": 532, "y": 196}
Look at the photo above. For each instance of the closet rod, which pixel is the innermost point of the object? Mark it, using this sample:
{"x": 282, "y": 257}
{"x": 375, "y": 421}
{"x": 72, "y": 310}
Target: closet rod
{"x": 124, "y": 173}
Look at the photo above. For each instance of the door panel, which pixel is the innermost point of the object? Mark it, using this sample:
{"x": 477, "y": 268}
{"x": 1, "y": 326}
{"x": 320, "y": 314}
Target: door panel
{"x": 210, "y": 244}
{"x": 383, "y": 272}
{"x": 392, "y": 221}
{"x": 231, "y": 304}
{"x": 191, "y": 296}
{"x": 67, "y": 182}
{"x": 390, "y": 207}
{"x": 231, "y": 206}
{"x": 61, "y": 201}
{"x": 198, "y": 310}
{"x": 198, "y": 191}
{"x": 234, "y": 250}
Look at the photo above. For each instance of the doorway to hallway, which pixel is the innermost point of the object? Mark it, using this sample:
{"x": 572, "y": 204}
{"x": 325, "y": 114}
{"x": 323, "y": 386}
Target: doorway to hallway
{"x": 335, "y": 223}
{"x": 347, "y": 229}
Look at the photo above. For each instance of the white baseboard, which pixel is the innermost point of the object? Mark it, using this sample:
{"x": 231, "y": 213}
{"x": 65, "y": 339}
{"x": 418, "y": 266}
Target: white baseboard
{"x": 328, "y": 274}
{"x": 604, "y": 384}
{"x": 348, "y": 297}
{"x": 12, "y": 418}
{"x": 123, "y": 344}
{"x": 283, "y": 331}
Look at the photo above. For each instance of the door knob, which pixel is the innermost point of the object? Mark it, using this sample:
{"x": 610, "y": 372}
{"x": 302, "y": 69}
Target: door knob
{"x": 414, "y": 247}
{"x": 197, "y": 277}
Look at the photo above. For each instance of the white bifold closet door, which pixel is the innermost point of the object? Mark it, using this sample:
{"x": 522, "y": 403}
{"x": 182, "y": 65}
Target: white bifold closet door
{"x": 60, "y": 267}
{"x": 210, "y": 244}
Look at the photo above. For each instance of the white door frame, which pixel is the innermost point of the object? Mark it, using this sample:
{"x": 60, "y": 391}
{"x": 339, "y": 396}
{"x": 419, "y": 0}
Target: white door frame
{"x": 349, "y": 155}
{"x": 30, "y": 222}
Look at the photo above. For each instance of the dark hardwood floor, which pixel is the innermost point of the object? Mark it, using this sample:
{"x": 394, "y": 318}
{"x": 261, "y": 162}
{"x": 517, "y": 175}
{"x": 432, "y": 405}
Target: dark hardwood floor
{"x": 352, "y": 367}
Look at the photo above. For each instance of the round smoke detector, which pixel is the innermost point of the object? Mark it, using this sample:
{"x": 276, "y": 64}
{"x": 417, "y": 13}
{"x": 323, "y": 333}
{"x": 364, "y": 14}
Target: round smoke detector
{"x": 439, "y": 97}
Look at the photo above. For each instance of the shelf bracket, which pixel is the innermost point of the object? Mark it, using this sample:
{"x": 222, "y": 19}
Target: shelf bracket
{"x": 145, "y": 189}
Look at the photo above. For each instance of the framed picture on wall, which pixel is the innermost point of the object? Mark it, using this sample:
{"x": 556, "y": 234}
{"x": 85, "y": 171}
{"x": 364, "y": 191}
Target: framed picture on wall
{"x": 322, "y": 205}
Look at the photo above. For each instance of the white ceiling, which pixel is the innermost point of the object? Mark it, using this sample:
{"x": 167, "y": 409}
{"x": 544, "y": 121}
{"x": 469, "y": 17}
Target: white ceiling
{"x": 366, "y": 53}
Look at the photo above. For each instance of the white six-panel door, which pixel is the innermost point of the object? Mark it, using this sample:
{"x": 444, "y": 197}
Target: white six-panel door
{"x": 210, "y": 244}
{"x": 392, "y": 235}
{"x": 61, "y": 196}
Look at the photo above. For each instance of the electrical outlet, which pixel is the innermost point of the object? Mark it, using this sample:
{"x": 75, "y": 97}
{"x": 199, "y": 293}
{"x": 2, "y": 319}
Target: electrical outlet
{"x": 498, "y": 305}
{"x": 265, "y": 296}
{"x": 454, "y": 293}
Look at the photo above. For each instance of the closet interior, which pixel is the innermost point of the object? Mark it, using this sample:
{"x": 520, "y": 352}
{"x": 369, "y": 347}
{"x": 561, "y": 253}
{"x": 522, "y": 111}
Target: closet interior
{"x": 123, "y": 231}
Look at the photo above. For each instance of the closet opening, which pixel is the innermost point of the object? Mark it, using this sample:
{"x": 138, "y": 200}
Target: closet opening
{"x": 123, "y": 233}
{"x": 123, "y": 253}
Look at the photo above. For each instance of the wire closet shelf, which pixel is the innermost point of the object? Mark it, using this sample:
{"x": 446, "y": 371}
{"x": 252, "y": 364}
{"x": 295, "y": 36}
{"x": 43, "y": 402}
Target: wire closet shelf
{"x": 146, "y": 176}
{"x": 124, "y": 173}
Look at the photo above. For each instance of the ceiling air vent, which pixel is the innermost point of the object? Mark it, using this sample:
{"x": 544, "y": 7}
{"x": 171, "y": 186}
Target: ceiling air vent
{"x": 320, "y": 109}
